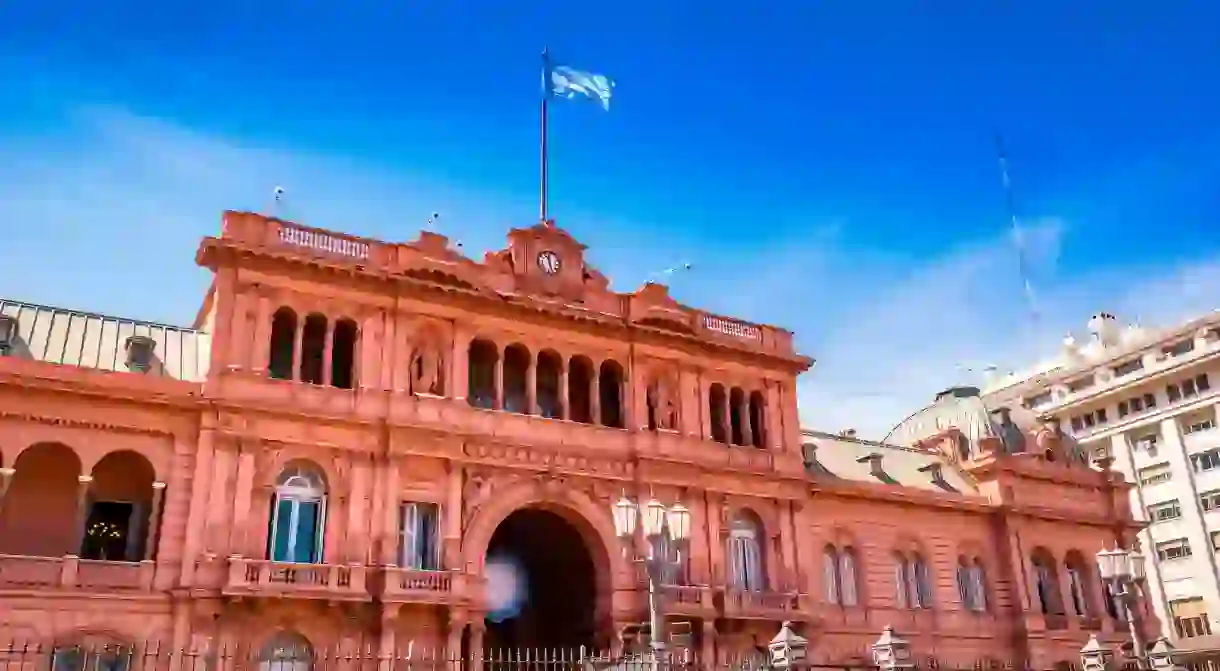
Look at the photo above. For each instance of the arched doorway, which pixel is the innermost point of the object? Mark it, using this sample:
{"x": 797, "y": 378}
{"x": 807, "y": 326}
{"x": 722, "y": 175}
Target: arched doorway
{"x": 542, "y": 585}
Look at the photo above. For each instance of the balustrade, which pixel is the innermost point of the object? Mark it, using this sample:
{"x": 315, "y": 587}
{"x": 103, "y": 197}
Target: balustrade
{"x": 261, "y": 577}
{"x": 750, "y": 604}
{"x": 411, "y": 585}
{"x": 73, "y": 573}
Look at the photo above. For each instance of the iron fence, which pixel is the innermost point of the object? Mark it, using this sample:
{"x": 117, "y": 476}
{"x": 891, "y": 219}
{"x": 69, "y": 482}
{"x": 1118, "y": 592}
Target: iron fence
{"x": 154, "y": 657}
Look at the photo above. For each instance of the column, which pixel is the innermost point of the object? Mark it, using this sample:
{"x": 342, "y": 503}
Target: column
{"x": 563, "y": 389}
{"x": 452, "y": 543}
{"x": 747, "y": 428}
{"x": 705, "y": 416}
{"x": 453, "y": 639}
{"x": 6, "y": 478}
{"x": 726, "y": 407}
{"x": 239, "y": 353}
{"x": 82, "y": 512}
{"x": 328, "y": 348}
{"x": 261, "y": 352}
{"x": 240, "y": 532}
{"x": 531, "y": 385}
{"x": 477, "y": 629}
{"x": 297, "y": 339}
{"x": 499, "y": 379}
{"x": 595, "y": 399}
{"x": 196, "y": 515}
{"x": 389, "y": 523}
{"x": 773, "y": 417}
{"x": 154, "y": 522}
{"x": 459, "y": 364}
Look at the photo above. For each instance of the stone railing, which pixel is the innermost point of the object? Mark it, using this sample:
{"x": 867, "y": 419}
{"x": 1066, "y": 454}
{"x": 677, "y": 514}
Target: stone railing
{"x": 70, "y": 572}
{"x": 277, "y": 579}
{"x": 404, "y": 584}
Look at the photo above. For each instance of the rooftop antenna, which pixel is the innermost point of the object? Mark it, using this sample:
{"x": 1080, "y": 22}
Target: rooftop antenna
{"x": 1018, "y": 233}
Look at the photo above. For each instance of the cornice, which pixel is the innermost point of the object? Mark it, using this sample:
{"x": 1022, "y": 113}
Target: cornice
{"x": 215, "y": 252}
{"x": 84, "y": 424}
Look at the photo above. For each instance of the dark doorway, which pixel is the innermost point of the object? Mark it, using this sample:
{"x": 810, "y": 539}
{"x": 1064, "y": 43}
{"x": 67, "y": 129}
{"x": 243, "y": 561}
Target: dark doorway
{"x": 556, "y": 601}
{"x": 110, "y": 532}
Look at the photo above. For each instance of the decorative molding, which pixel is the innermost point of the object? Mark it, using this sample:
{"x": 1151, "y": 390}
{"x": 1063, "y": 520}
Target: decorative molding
{"x": 76, "y": 423}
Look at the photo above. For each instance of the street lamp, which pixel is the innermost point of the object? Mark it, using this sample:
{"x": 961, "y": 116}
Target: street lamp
{"x": 1122, "y": 571}
{"x": 659, "y": 524}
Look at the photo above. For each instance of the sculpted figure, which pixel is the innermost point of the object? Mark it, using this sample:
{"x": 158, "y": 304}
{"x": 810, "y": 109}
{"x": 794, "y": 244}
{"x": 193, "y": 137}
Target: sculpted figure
{"x": 426, "y": 373}
{"x": 664, "y": 403}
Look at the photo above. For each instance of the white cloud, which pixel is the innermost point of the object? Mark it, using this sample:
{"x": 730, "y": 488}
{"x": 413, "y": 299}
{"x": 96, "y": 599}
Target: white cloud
{"x": 109, "y": 218}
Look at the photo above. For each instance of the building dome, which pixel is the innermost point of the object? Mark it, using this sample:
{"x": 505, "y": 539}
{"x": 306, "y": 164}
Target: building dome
{"x": 962, "y": 408}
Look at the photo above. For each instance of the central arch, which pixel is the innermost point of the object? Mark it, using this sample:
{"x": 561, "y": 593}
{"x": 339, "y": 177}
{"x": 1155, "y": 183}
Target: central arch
{"x": 528, "y": 520}
{"x": 555, "y": 605}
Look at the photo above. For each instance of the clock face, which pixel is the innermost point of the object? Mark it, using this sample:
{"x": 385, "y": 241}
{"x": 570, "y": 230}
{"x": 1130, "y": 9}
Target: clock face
{"x": 548, "y": 262}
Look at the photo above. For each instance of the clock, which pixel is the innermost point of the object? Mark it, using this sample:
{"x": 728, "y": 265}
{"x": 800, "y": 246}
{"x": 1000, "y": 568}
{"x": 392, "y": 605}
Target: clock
{"x": 548, "y": 262}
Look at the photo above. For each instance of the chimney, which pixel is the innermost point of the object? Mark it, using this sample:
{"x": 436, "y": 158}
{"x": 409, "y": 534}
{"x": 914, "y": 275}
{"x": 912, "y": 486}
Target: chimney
{"x": 8, "y": 334}
{"x": 140, "y": 353}
{"x": 873, "y": 459}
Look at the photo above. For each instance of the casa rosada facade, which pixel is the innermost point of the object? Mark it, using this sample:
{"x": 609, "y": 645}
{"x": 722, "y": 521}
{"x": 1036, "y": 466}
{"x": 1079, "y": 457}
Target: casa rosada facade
{"x": 353, "y": 431}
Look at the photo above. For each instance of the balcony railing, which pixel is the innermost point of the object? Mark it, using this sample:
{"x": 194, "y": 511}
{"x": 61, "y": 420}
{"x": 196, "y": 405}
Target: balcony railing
{"x": 69, "y": 572}
{"x": 693, "y": 600}
{"x": 404, "y": 584}
{"x": 261, "y": 577}
{"x": 749, "y": 604}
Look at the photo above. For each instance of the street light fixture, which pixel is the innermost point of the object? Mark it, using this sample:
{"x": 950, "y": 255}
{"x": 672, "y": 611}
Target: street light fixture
{"x": 659, "y": 523}
{"x": 1123, "y": 571}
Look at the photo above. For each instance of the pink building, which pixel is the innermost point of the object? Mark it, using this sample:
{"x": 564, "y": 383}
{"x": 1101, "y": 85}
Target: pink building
{"x": 326, "y": 461}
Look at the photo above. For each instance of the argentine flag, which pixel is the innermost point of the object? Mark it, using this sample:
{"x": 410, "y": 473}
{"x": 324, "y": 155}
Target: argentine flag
{"x": 565, "y": 82}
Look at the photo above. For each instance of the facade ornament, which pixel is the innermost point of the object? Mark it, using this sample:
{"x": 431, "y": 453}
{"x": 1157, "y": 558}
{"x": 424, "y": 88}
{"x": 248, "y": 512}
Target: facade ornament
{"x": 662, "y": 399}
{"x": 427, "y": 366}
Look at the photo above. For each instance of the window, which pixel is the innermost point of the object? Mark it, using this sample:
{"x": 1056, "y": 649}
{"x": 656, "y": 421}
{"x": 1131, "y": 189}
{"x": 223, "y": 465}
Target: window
{"x": 419, "y": 536}
{"x": 1178, "y": 349}
{"x": 94, "y": 658}
{"x": 1202, "y": 383}
{"x": 913, "y": 587}
{"x": 298, "y": 517}
{"x": 1136, "y": 404}
{"x": 1210, "y": 500}
{"x": 971, "y": 584}
{"x": 839, "y": 575}
{"x": 1173, "y": 392}
{"x": 1089, "y": 419}
{"x": 1102, "y": 451}
{"x": 1128, "y": 367}
{"x": 1197, "y": 424}
{"x": 1190, "y": 618}
{"x": 1039, "y": 401}
{"x": 1162, "y": 512}
{"x": 1048, "y": 590}
{"x": 675, "y": 571}
{"x": 1080, "y": 385}
{"x": 1080, "y": 604}
{"x": 1146, "y": 443}
{"x": 1206, "y": 461}
{"x": 1174, "y": 549}
{"x": 1155, "y": 474}
{"x": 746, "y": 569}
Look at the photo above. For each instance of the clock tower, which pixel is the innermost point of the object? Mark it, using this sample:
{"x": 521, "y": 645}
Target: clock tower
{"x": 547, "y": 260}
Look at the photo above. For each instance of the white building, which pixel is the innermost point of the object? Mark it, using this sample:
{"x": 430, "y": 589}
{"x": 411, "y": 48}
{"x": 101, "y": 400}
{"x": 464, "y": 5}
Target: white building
{"x": 1148, "y": 399}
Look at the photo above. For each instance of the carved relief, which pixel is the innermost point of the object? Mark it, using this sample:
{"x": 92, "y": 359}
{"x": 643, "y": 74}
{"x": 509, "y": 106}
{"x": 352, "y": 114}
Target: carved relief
{"x": 663, "y": 400}
{"x": 427, "y": 365}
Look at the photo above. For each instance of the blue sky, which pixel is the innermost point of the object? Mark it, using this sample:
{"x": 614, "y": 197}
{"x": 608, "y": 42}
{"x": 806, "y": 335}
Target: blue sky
{"x": 827, "y": 166}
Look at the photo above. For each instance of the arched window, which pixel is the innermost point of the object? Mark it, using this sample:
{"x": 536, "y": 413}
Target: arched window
{"x": 105, "y": 657}
{"x": 283, "y": 344}
{"x": 839, "y": 574}
{"x": 675, "y": 571}
{"x": 1078, "y": 583}
{"x": 286, "y": 651}
{"x": 298, "y": 517}
{"x": 746, "y": 570}
{"x": 972, "y": 584}
{"x": 912, "y": 584}
{"x": 1046, "y": 577}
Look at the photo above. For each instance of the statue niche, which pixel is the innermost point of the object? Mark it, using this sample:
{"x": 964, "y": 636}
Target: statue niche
{"x": 662, "y": 403}
{"x": 427, "y": 367}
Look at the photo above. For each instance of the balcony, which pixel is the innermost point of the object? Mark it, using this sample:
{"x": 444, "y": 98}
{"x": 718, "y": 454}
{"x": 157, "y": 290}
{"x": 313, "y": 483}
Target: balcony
{"x": 404, "y": 585}
{"x": 689, "y": 600}
{"x": 750, "y": 605}
{"x": 265, "y": 578}
{"x": 19, "y": 572}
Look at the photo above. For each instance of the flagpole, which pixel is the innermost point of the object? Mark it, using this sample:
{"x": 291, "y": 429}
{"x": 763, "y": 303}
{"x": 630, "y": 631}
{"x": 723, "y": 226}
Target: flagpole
{"x": 546, "y": 94}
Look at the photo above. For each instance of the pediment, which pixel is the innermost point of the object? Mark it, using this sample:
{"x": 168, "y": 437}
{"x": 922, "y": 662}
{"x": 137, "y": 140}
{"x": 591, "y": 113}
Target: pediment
{"x": 431, "y": 258}
{"x": 652, "y": 306}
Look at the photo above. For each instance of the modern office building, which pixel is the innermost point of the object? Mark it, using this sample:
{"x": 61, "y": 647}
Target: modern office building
{"x": 1148, "y": 399}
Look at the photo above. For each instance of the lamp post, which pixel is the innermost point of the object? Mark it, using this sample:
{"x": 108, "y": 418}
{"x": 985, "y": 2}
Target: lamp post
{"x": 659, "y": 523}
{"x": 1122, "y": 570}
